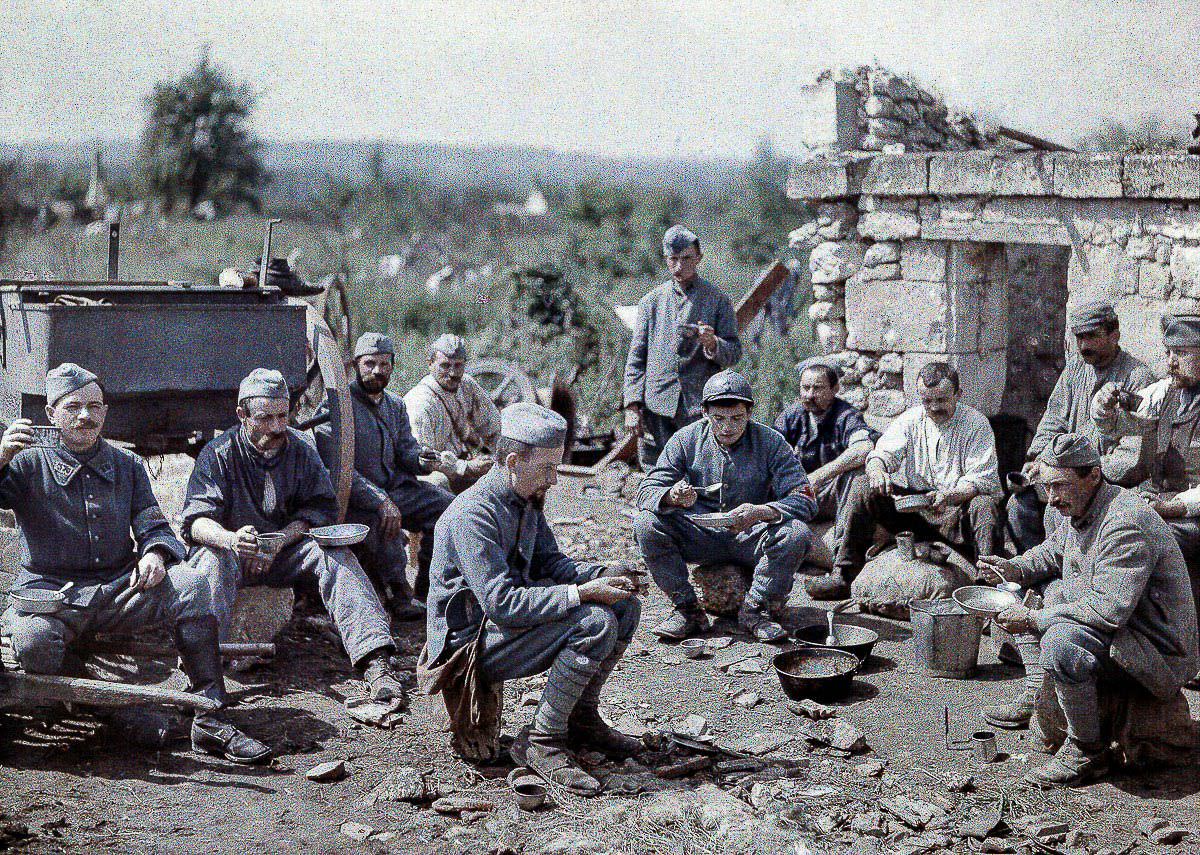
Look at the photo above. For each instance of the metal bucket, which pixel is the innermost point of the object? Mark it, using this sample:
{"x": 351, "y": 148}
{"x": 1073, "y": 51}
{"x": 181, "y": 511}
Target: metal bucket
{"x": 945, "y": 638}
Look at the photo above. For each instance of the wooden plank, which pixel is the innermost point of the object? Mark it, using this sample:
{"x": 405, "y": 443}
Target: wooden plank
{"x": 753, "y": 301}
{"x": 1030, "y": 139}
{"x": 21, "y": 690}
{"x": 150, "y": 649}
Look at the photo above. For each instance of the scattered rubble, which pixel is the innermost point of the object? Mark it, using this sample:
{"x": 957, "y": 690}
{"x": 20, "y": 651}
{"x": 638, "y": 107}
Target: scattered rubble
{"x": 334, "y": 770}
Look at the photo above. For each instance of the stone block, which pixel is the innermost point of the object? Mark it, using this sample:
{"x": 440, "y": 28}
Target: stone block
{"x": 882, "y": 252}
{"x": 1185, "y": 270}
{"x": 886, "y": 403}
{"x": 721, "y": 588}
{"x": 898, "y": 175}
{"x": 835, "y": 261}
{"x": 1024, "y": 174}
{"x": 961, "y": 174}
{"x": 804, "y": 237}
{"x": 826, "y": 177}
{"x": 832, "y": 336}
{"x": 1154, "y": 280}
{"x": 981, "y": 375}
{"x": 836, "y": 220}
{"x": 968, "y": 262}
{"x": 880, "y": 272}
{"x": 903, "y": 315}
{"x": 1087, "y": 176}
{"x": 1002, "y": 232}
{"x": 1104, "y": 272}
{"x": 1141, "y": 247}
{"x": 827, "y": 311}
{"x": 1141, "y": 330}
{"x": 924, "y": 261}
{"x": 878, "y": 226}
{"x": 1161, "y": 176}
{"x": 958, "y": 209}
{"x": 895, "y": 87}
{"x": 888, "y": 204}
{"x": 886, "y": 128}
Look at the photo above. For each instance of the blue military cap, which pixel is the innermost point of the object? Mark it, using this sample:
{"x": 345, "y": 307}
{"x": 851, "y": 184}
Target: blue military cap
{"x": 449, "y": 345}
{"x": 370, "y": 343}
{"x": 1070, "y": 450}
{"x": 263, "y": 383}
{"x": 1090, "y": 316}
{"x": 65, "y": 379}
{"x": 533, "y": 425}
{"x": 1182, "y": 331}
{"x": 677, "y": 239}
{"x": 727, "y": 386}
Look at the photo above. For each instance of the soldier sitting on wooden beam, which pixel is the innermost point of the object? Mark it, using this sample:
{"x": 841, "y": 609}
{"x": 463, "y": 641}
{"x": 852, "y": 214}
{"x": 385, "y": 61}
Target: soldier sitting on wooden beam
{"x": 88, "y": 517}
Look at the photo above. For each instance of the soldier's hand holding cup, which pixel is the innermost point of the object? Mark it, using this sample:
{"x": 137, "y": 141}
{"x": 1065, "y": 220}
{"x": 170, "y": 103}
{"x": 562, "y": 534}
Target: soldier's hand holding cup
{"x": 682, "y": 495}
{"x": 17, "y": 437}
{"x": 1107, "y": 399}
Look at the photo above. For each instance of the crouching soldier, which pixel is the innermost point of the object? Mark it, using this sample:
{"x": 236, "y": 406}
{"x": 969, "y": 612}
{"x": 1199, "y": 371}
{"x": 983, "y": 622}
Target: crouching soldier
{"x": 87, "y": 516}
{"x": 1123, "y": 604}
{"x": 500, "y": 582}
{"x": 725, "y": 462}
{"x": 261, "y": 477}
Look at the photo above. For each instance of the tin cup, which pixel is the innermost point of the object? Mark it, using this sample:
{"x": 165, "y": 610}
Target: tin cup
{"x": 46, "y": 436}
{"x": 693, "y": 648}
{"x": 983, "y": 746}
{"x": 269, "y": 542}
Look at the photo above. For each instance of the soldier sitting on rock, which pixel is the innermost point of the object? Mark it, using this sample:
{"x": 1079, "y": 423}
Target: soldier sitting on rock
{"x": 831, "y": 439}
{"x": 499, "y": 582}
{"x": 726, "y": 462}
{"x": 88, "y": 517}
{"x": 1122, "y": 606}
{"x": 941, "y": 448}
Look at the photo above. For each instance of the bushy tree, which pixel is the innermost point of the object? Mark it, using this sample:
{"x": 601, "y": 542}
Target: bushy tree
{"x": 197, "y": 143}
{"x": 1149, "y": 135}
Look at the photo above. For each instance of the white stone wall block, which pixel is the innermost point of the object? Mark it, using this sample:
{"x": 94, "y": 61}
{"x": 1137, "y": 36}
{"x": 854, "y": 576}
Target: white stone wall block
{"x": 835, "y": 261}
{"x": 1185, "y": 270}
{"x": 832, "y": 336}
{"x": 924, "y": 260}
{"x": 889, "y": 226}
{"x": 982, "y": 376}
{"x": 880, "y": 272}
{"x": 887, "y": 403}
{"x": 1154, "y": 280}
{"x": 882, "y": 252}
{"x": 1084, "y": 176}
{"x": 1161, "y": 176}
{"x": 1101, "y": 272}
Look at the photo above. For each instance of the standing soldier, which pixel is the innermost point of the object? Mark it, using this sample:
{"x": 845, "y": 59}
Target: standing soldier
{"x": 88, "y": 517}
{"x": 385, "y": 492}
{"x": 1101, "y": 360}
{"x": 685, "y": 332}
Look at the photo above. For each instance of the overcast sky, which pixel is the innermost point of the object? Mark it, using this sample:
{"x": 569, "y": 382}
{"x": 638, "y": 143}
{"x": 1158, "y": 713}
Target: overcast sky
{"x": 653, "y": 78}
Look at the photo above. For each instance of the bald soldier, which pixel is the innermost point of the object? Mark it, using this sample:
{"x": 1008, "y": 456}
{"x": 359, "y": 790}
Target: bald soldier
{"x": 1121, "y": 605}
{"x": 452, "y": 415}
{"x": 725, "y": 463}
{"x": 1100, "y": 361}
{"x": 385, "y": 492}
{"x": 498, "y": 577}
{"x": 686, "y": 331}
{"x": 88, "y": 518}
{"x": 261, "y": 477}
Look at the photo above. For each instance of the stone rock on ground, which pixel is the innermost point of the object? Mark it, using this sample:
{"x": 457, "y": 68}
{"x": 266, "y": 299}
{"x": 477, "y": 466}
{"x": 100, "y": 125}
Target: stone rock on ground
{"x": 721, "y": 588}
{"x": 260, "y": 614}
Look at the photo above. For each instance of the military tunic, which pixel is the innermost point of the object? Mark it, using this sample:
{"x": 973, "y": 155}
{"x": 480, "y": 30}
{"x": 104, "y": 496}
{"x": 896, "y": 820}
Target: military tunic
{"x": 87, "y": 519}
{"x": 760, "y": 468}
{"x": 386, "y": 465}
{"x": 236, "y": 485}
{"x": 667, "y": 367}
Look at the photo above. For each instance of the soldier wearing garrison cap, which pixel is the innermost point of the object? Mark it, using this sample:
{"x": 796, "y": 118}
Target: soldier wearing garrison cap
{"x": 1165, "y": 416}
{"x": 685, "y": 332}
{"x": 386, "y": 492}
{"x": 1098, "y": 360}
{"x": 452, "y": 415}
{"x": 262, "y": 477}
{"x": 725, "y": 463}
{"x": 500, "y": 582}
{"x": 1118, "y": 602}
{"x": 87, "y": 516}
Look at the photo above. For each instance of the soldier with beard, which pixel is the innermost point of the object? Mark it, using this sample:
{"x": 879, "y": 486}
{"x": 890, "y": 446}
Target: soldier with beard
{"x": 386, "y": 492}
{"x": 499, "y": 581}
{"x": 261, "y": 476}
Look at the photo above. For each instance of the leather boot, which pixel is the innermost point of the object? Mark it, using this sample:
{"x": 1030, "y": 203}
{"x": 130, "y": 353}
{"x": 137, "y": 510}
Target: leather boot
{"x": 1075, "y": 763}
{"x": 384, "y": 682}
{"x": 197, "y": 641}
{"x": 683, "y": 622}
{"x": 587, "y": 727}
{"x": 211, "y": 735}
{"x": 548, "y": 756}
{"x": 1014, "y": 715}
{"x": 756, "y": 623}
{"x": 831, "y": 586}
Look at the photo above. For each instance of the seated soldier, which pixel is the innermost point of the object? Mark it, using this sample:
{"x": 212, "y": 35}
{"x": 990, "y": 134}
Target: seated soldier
{"x": 725, "y": 463}
{"x": 77, "y": 504}
{"x": 942, "y": 448}
{"x": 1123, "y": 605}
{"x": 499, "y": 579}
{"x": 452, "y": 415}
{"x": 261, "y": 477}
{"x": 385, "y": 493}
{"x": 831, "y": 439}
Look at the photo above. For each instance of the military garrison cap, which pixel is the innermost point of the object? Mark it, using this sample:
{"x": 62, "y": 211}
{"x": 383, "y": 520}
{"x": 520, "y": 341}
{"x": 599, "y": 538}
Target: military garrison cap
{"x": 728, "y": 386}
{"x": 1069, "y": 450}
{"x": 450, "y": 346}
{"x": 371, "y": 343}
{"x": 263, "y": 383}
{"x": 1181, "y": 331}
{"x": 533, "y": 425}
{"x": 1090, "y": 316}
{"x": 678, "y": 239}
{"x": 65, "y": 379}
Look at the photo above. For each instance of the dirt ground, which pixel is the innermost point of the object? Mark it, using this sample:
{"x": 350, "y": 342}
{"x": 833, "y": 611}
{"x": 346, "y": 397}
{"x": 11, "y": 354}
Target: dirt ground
{"x": 66, "y": 786}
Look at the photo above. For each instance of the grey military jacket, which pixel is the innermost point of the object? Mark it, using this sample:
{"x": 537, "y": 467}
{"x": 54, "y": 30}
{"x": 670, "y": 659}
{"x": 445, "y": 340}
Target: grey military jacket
{"x": 1122, "y": 574}
{"x": 667, "y": 367}
{"x": 386, "y": 456}
{"x": 85, "y": 521}
{"x": 495, "y": 557}
{"x": 760, "y": 468}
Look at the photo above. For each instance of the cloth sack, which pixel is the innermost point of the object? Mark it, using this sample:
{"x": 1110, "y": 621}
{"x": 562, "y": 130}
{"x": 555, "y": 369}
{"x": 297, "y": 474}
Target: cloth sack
{"x": 473, "y": 704}
{"x": 889, "y": 582}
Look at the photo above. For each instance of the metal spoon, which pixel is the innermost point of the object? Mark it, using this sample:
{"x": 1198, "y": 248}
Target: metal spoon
{"x": 712, "y": 489}
{"x": 831, "y": 639}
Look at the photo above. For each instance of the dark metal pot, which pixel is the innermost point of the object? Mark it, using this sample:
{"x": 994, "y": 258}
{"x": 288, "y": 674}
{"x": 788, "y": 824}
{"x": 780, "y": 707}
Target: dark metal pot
{"x": 852, "y": 639}
{"x": 815, "y": 673}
